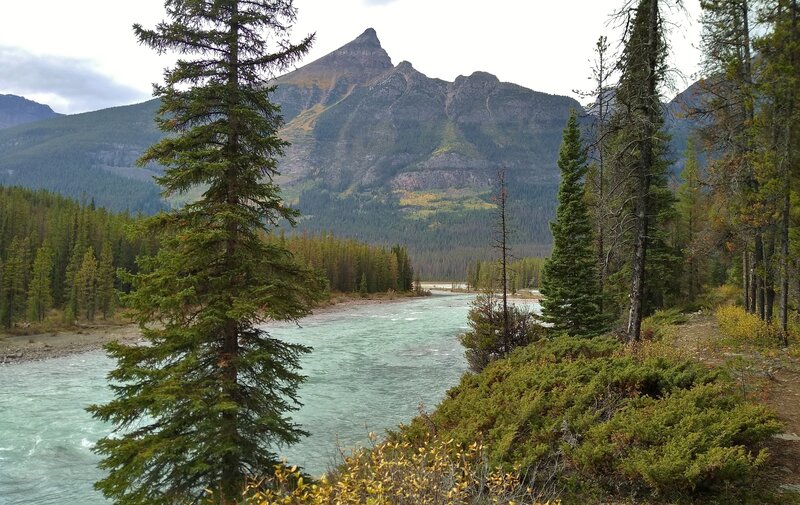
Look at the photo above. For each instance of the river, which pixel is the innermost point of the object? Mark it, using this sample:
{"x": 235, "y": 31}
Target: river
{"x": 371, "y": 367}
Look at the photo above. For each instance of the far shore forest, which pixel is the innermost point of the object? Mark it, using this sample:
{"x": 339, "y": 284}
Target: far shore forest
{"x": 620, "y": 391}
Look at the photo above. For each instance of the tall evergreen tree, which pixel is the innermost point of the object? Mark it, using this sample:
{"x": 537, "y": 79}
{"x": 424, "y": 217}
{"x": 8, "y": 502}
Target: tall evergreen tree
{"x": 570, "y": 280}
{"x": 86, "y": 282}
{"x": 105, "y": 280}
{"x": 14, "y": 283}
{"x": 205, "y": 404}
{"x": 40, "y": 297}
{"x": 640, "y": 144}
{"x": 691, "y": 208}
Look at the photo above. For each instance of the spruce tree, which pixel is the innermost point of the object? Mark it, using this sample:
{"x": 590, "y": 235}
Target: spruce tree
{"x": 15, "y": 282}
{"x": 86, "y": 281}
{"x": 105, "y": 280}
{"x": 570, "y": 281}
{"x": 640, "y": 144}
{"x": 40, "y": 297}
{"x": 204, "y": 405}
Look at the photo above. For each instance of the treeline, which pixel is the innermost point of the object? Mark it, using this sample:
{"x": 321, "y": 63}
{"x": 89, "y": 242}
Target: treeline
{"x": 442, "y": 244}
{"x": 351, "y": 266}
{"x": 524, "y": 273}
{"x": 56, "y": 253}
{"x": 748, "y": 197}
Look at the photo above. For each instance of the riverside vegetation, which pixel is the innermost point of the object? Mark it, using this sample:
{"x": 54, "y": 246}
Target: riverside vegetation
{"x": 59, "y": 260}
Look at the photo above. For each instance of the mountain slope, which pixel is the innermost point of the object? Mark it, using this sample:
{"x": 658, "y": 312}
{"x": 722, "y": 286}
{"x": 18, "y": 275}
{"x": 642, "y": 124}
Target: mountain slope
{"x": 90, "y": 155}
{"x": 16, "y": 110}
{"x": 357, "y": 122}
{"x": 380, "y": 152}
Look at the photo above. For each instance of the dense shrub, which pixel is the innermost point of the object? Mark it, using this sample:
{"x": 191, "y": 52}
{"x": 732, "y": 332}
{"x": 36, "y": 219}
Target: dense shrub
{"x": 740, "y": 327}
{"x": 603, "y": 420}
{"x": 393, "y": 473}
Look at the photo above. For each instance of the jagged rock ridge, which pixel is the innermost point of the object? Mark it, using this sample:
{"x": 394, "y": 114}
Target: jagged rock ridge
{"x": 358, "y": 122}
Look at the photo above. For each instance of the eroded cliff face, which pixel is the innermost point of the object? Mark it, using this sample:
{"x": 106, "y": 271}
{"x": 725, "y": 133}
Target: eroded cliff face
{"x": 357, "y": 122}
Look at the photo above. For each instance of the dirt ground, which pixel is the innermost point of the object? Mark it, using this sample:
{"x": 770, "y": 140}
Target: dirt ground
{"x": 21, "y": 348}
{"x": 769, "y": 376}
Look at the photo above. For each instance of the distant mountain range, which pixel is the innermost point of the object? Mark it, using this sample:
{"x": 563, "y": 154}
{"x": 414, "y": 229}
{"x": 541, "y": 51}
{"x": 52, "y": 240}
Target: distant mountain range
{"x": 16, "y": 110}
{"x": 379, "y": 151}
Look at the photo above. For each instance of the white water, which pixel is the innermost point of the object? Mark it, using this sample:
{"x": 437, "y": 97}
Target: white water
{"x": 371, "y": 367}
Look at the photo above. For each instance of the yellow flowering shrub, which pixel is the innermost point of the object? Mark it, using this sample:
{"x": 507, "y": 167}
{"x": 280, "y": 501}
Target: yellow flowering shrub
{"x": 737, "y": 324}
{"x": 398, "y": 473}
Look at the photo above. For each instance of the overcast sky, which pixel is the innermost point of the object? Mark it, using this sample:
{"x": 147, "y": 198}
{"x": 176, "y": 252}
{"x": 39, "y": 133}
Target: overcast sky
{"x": 81, "y": 55}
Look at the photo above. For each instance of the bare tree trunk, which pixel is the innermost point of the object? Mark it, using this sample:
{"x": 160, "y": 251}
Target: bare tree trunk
{"x": 769, "y": 277}
{"x": 501, "y": 243}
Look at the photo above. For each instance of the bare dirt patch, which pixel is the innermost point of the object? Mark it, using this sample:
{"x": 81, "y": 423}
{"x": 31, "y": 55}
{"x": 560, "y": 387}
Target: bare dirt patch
{"x": 22, "y": 348}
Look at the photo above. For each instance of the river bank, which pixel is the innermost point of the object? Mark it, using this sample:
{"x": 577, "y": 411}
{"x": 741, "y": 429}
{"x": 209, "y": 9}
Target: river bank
{"x": 91, "y": 337}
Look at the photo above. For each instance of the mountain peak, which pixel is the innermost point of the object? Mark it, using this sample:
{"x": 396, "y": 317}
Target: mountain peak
{"x": 369, "y": 37}
{"x": 359, "y": 61}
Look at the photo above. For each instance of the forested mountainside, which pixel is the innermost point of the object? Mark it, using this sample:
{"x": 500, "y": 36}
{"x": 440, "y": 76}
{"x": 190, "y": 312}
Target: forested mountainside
{"x": 380, "y": 152}
{"x": 16, "y": 110}
{"x": 90, "y": 156}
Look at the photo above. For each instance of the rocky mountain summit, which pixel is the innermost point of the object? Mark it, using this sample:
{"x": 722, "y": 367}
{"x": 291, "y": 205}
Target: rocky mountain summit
{"x": 358, "y": 122}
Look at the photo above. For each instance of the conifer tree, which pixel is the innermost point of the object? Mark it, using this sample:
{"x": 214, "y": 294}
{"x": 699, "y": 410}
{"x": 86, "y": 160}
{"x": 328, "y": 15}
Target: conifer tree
{"x": 86, "y": 285}
{"x": 105, "y": 280}
{"x": 204, "y": 405}
{"x": 691, "y": 208}
{"x": 639, "y": 142}
{"x": 570, "y": 280}
{"x": 15, "y": 283}
{"x": 40, "y": 297}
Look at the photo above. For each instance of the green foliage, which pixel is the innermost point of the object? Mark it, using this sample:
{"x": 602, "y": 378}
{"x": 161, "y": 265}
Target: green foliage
{"x": 484, "y": 342}
{"x": 658, "y": 324}
{"x": 584, "y": 412}
{"x": 38, "y": 225}
{"x": 523, "y": 273}
{"x": 376, "y": 217}
{"x": 40, "y": 296}
{"x": 570, "y": 280}
{"x": 14, "y": 282}
{"x": 86, "y": 281}
{"x": 351, "y": 266}
{"x": 205, "y": 404}
{"x": 90, "y": 155}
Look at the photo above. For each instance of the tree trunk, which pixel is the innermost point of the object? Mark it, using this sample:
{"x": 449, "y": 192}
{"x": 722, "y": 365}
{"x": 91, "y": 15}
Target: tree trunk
{"x": 643, "y": 177}
{"x": 746, "y": 279}
{"x": 769, "y": 277}
{"x": 759, "y": 271}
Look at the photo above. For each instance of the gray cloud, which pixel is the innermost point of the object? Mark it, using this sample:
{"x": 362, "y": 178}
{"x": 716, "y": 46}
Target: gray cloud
{"x": 77, "y": 85}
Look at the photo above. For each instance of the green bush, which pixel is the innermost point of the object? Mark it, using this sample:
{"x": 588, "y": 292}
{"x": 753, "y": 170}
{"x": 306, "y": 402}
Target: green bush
{"x": 583, "y": 411}
{"x": 484, "y": 342}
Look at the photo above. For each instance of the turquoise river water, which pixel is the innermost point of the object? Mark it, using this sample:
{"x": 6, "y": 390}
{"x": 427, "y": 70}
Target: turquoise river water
{"x": 371, "y": 367}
